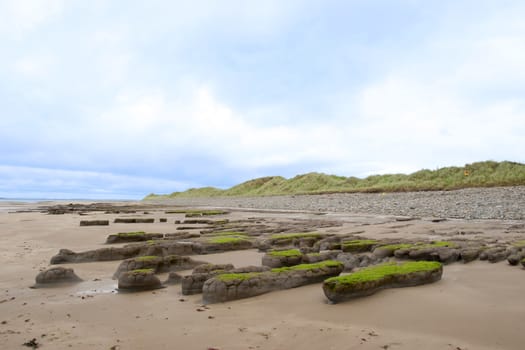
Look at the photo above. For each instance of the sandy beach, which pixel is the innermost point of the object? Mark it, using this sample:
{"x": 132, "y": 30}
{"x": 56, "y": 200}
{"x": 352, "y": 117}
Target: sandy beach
{"x": 478, "y": 305}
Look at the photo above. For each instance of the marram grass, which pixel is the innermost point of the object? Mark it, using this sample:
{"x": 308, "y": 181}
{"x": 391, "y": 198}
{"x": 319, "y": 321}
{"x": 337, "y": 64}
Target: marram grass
{"x": 480, "y": 174}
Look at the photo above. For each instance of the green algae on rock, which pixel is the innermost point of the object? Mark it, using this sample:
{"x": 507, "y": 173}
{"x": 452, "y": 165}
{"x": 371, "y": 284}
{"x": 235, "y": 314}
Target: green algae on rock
{"x": 231, "y": 286}
{"x": 358, "y": 246}
{"x": 138, "y": 280}
{"x": 372, "y": 279}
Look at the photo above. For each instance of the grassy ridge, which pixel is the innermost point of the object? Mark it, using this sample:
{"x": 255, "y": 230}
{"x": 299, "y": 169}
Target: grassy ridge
{"x": 480, "y": 174}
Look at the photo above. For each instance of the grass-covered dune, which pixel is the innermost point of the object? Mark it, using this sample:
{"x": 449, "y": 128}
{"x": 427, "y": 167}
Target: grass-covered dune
{"x": 480, "y": 174}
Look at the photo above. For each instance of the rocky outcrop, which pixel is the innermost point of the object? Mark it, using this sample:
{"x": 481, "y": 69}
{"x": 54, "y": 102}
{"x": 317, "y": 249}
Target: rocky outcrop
{"x": 445, "y": 252}
{"x": 291, "y": 257}
{"x": 56, "y": 275}
{"x": 232, "y": 286}
{"x": 134, "y": 220}
{"x": 157, "y": 264}
{"x": 94, "y": 222}
{"x": 372, "y": 279}
{"x": 358, "y": 246}
{"x": 103, "y": 254}
{"x": 307, "y": 239}
{"x": 469, "y": 254}
{"x": 495, "y": 254}
{"x": 352, "y": 261}
{"x": 138, "y": 280}
{"x": 161, "y": 248}
{"x": 312, "y": 258}
{"x": 193, "y": 283}
{"x": 128, "y": 237}
{"x": 207, "y": 268}
{"x": 173, "y": 278}
{"x": 225, "y": 244}
{"x": 516, "y": 255}
{"x": 280, "y": 258}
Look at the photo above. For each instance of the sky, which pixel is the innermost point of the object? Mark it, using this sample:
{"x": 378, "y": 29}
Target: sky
{"x": 108, "y": 99}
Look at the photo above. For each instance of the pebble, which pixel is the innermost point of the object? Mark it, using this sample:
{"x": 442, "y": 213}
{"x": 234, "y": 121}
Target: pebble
{"x": 505, "y": 203}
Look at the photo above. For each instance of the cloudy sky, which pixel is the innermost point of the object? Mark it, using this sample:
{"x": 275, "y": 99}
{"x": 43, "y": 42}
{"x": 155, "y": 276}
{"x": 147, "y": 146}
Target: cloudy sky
{"x": 117, "y": 99}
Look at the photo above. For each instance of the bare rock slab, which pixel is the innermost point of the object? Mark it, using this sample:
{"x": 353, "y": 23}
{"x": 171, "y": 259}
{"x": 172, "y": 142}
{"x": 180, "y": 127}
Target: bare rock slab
{"x": 373, "y": 279}
{"x": 94, "y": 222}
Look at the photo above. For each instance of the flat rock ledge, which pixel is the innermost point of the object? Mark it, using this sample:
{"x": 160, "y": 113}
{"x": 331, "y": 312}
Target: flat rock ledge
{"x": 56, "y": 275}
{"x": 373, "y": 279}
{"x": 138, "y": 280}
{"x": 226, "y": 287}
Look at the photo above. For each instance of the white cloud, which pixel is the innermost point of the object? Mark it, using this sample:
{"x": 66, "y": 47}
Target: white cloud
{"x": 156, "y": 125}
{"x": 30, "y": 182}
{"x": 35, "y": 67}
{"x": 17, "y": 17}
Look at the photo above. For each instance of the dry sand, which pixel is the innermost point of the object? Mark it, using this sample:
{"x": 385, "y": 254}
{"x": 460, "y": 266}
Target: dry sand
{"x": 475, "y": 306}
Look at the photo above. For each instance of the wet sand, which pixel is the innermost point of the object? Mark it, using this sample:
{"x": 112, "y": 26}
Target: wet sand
{"x": 475, "y": 306}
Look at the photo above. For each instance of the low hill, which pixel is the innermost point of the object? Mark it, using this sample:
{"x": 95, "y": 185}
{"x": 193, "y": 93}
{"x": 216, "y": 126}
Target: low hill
{"x": 480, "y": 174}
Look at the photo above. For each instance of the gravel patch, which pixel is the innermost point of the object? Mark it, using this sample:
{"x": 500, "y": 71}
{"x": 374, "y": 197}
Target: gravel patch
{"x": 506, "y": 203}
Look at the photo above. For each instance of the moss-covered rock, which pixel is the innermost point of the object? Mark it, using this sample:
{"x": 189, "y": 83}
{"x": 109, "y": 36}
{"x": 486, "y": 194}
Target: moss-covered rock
{"x": 127, "y": 237}
{"x": 519, "y": 244}
{"x": 372, "y": 279}
{"x": 442, "y": 251}
{"x": 295, "y": 239}
{"x": 157, "y": 264}
{"x": 158, "y": 248}
{"x": 138, "y": 280}
{"x": 193, "y": 284}
{"x": 312, "y": 258}
{"x": 226, "y": 243}
{"x": 389, "y": 249}
{"x": 279, "y": 258}
{"x": 233, "y": 286}
{"x": 358, "y": 246}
